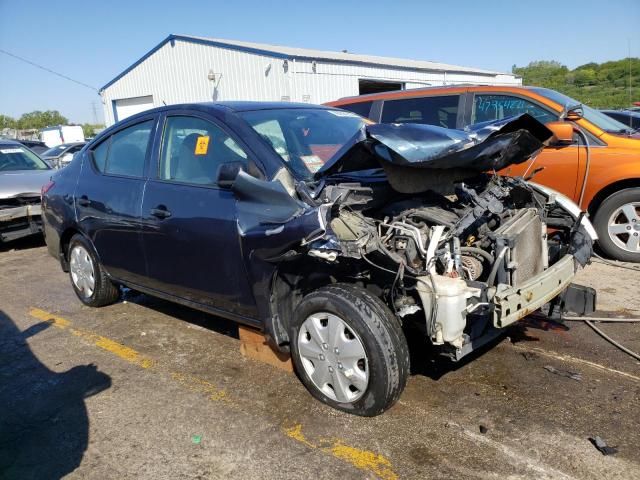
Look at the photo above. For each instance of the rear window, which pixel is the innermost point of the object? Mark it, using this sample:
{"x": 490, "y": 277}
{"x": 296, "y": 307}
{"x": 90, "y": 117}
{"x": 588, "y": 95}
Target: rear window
{"x": 361, "y": 108}
{"x": 441, "y": 111}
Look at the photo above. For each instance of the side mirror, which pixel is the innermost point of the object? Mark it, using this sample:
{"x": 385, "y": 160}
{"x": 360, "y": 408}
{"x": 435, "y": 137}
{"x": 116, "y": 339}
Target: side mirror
{"x": 562, "y": 133}
{"x": 227, "y": 173}
{"x": 574, "y": 113}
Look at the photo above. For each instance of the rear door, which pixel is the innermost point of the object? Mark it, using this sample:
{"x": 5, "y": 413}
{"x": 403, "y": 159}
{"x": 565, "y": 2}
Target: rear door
{"x": 559, "y": 163}
{"x": 190, "y": 232}
{"x": 109, "y": 197}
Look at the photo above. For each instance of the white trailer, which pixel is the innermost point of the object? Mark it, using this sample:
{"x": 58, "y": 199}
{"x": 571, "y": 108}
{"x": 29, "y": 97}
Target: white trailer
{"x": 54, "y": 136}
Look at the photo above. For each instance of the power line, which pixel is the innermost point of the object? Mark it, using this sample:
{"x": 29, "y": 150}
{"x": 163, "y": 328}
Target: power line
{"x": 48, "y": 70}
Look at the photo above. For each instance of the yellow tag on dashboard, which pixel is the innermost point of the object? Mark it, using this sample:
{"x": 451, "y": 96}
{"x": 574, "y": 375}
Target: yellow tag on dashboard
{"x": 202, "y": 146}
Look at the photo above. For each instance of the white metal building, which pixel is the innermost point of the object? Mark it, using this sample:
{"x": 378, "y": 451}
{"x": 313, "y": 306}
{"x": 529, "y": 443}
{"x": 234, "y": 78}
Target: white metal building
{"x": 194, "y": 69}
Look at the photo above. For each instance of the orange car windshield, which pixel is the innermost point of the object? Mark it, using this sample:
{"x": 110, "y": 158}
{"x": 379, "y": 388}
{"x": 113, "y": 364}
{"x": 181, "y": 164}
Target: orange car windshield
{"x": 599, "y": 119}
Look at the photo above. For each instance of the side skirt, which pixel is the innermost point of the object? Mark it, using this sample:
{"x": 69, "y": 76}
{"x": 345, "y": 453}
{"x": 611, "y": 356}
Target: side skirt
{"x": 252, "y": 322}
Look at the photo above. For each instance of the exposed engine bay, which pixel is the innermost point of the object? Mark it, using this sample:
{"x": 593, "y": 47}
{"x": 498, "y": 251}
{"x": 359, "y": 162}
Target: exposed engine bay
{"x": 450, "y": 255}
{"x": 457, "y": 252}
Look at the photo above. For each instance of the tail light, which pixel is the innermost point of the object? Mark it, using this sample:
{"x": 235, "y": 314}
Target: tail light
{"x": 45, "y": 188}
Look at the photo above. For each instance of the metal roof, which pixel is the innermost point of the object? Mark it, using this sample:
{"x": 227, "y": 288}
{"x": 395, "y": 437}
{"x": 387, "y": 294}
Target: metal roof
{"x": 278, "y": 51}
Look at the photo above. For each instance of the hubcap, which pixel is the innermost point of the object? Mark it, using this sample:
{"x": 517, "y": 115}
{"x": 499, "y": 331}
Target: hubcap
{"x": 333, "y": 357}
{"x": 624, "y": 227}
{"x": 82, "y": 271}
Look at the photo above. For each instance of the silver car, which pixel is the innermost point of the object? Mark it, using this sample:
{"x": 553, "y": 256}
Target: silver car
{"x": 22, "y": 175}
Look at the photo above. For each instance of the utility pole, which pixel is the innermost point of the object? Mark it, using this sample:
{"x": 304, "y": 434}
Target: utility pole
{"x": 630, "y": 96}
{"x": 95, "y": 113}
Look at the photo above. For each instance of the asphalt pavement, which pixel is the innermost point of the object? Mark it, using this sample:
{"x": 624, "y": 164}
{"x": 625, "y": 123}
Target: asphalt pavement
{"x": 147, "y": 389}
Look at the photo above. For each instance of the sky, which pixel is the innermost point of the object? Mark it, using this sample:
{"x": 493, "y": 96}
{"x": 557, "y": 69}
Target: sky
{"x": 93, "y": 42}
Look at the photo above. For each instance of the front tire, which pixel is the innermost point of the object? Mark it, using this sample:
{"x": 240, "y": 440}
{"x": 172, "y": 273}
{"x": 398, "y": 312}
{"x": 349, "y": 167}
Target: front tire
{"x": 348, "y": 350}
{"x": 617, "y": 222}
{"x": 88, "y": 278}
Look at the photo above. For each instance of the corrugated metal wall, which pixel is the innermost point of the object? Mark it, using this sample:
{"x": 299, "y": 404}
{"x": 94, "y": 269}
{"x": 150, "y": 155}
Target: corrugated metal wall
{"x": 178, "y": 72}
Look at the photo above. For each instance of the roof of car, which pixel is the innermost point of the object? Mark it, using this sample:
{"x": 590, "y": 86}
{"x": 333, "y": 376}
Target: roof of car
{"x": 630, "y": 113}
{"x": 435, "y": 88}
{"x": 234, "y": 106}
{"x": 231, "y": 106}
{"x": 246, "y": 106}
{"x": 8, "y": 141}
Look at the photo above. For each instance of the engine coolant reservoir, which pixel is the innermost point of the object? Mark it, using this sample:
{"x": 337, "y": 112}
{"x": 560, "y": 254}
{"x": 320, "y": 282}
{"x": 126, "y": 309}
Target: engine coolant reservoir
{"x": 451, "y": 316}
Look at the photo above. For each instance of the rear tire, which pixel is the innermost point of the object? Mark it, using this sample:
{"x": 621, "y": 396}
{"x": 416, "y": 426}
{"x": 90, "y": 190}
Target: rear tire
{"x": 88, "y": 278}
{"x": 348, "y": 350}
{"x": 617, "y": 222}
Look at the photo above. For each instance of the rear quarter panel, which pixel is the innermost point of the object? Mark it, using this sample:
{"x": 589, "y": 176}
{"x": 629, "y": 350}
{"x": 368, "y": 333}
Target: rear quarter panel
{"x": 58, "y": 206}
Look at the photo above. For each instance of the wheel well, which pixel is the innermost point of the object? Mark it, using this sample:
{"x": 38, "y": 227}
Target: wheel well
{"x": 602, "y": 195}
{"x": 292, "y": 281}
{"x": 65, "y": 239}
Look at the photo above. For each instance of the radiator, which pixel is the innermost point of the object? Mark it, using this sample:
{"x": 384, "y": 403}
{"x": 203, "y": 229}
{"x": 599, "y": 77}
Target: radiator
{"x": 524, "y": 234}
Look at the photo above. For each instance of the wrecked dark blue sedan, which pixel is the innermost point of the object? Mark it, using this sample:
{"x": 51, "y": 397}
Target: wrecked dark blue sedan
{"x": 334, "y": 236}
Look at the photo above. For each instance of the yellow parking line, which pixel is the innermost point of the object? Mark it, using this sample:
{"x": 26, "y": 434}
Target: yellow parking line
{"x": 363, "y": 460}
{"x": 122, "y": 351}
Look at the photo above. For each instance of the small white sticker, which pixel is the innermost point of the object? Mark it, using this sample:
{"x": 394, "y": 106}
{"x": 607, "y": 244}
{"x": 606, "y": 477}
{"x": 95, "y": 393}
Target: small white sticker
{"x": 11, "y": 150}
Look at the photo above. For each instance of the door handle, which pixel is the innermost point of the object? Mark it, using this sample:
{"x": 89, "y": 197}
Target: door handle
{"x": 84, "y": 201}
{"x": 160, "y": 212}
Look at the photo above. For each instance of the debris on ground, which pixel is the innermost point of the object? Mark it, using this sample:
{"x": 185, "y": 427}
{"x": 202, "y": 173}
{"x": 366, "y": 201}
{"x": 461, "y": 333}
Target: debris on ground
{"x": 483, "y": 429}
{"x": 528, "y": 356}
{"x": 196, "y": 439}
{"x": 564, "y": 373}
{"x": 602, "y": 446}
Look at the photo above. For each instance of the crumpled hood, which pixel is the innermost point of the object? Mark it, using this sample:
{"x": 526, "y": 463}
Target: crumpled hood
{"x": 480, "y": 148}
{"x": 19, "y": 182}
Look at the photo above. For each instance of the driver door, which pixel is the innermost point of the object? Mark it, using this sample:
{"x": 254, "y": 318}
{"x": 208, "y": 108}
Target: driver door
{"x": 189, "y": 223}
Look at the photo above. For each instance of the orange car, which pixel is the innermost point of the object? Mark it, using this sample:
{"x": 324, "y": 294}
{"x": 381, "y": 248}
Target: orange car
{"x": 595, "y": 160}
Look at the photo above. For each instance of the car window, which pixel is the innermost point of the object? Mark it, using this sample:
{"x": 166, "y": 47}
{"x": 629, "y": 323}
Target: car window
{"x": 496, "y": 107}
{"x": 125, "y": 151}
{"x": 54, "y": 152}
{"x": 100, "y": 154}
{"x": 193, "y": 150}
{"x": 75, "y": 149}
{"x": 440, "y": 110}
{"x": 361, "y": 108}
{"x": 17, "y": 157}
{"x": 305, "y": 138}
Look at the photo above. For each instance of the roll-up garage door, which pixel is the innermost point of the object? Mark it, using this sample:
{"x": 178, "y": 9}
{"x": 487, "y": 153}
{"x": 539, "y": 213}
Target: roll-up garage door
{"x": 125, "y": 107}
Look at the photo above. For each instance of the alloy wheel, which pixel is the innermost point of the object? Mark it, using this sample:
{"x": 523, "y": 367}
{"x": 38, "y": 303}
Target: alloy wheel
{"x": 624, "y": 227}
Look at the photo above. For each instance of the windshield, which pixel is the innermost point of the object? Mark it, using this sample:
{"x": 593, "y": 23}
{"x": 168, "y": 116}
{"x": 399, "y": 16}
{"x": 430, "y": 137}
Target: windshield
{"x": 305, "y": 138}
{"x": 55, "y": 151}
{"x": 19, "y": 158}
{"x": 599, "y": 119}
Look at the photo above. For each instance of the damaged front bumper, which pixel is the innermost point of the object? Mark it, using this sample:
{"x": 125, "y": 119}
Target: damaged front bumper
{"x": 18, "y": 222}
{"x": 511, "y": 304}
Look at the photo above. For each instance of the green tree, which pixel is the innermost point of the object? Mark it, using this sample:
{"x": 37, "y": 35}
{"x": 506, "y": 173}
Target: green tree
{"x": 604, "y": 85}
{"x": 7, "y": 122}
{"x": 38, "y": 119}
{"x": 89, "y": 129}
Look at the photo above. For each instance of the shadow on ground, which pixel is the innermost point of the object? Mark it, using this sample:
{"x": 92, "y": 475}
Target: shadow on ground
{"x": 427, "y": 360}
{"x": 32, "y": 241}
{"x": 195, "y": 317}
{"x": 44, "y": 427}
